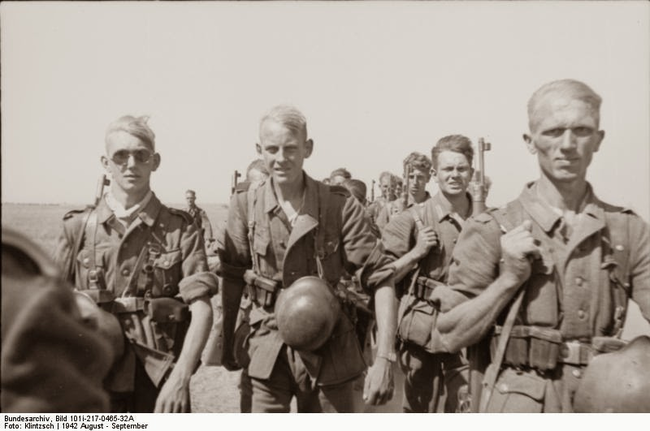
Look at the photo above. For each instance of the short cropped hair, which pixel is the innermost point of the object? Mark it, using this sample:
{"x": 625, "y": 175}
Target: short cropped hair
{"x": 190, "y": 192}
{"x": 256, "y": 165}
{"x": 134, "y": 126}
{"x": 417, "y": 161}
{"x": 357, "y": 188}
{"x": 566, "y": 87}
{"x": 398, "y": 180}
{"x": 341, "y": 172}
{"x": 456, "y": 143}
{"x": 388, "y": 175}
{"x": 287, "y": 115}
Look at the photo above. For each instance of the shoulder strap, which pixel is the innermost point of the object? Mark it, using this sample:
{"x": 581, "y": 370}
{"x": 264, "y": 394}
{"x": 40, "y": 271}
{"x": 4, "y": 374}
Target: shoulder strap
{"x": 251, "y": 199}
{"x": 69, "y": 275}
{"x": 319, "y": 235}
{"x": 616, "y": 242}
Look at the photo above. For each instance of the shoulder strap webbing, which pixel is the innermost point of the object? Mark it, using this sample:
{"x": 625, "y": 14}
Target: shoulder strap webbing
{"x": 70, "y": 275}
{"x": 251, "y": 198}
{"x": 616, "y": 241}
{"x": 506, "y": 222}
{"x": 319, "y": 234}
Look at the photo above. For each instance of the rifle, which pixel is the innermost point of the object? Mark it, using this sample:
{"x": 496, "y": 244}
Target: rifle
{"x": 233, "y": 182}
{"x": 99, "y": 191}
{"x": 479, "y": 187}
{"x": 478, "y": 354}
{"x": 372, "y": 192}
{"x": 407, "y": 185}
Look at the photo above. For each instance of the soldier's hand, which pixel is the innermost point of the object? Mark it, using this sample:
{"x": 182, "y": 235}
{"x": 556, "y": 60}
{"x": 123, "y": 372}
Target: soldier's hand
{"x": 427, "y": 239}
{"x": 174, "y": 396}
{"x": 379, "y": 386}
{"x": 519, "y": 248}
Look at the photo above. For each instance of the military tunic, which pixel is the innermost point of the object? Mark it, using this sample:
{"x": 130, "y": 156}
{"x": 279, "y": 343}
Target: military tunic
{"x": 286, "y": 253}
{"x": 160, "y": 254}
{"x": 572, "y": 288}
{"x": 421, "y": 361}
{"x": 200, "y": 216}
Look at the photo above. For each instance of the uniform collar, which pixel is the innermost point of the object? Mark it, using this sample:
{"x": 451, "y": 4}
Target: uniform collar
{"x": 148, "y": 214}
{"x": 443, "y": 207}
{"x": 310, "y": 206}
{"x": 544, "y": 215}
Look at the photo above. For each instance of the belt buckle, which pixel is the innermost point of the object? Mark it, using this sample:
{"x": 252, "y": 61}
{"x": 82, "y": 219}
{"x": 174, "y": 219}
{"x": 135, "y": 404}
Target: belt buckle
{"x": 570, "y": 352}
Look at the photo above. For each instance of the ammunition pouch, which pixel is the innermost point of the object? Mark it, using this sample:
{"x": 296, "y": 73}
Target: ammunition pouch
{"x": 423, "y": 287}
{"x": 417, "y": 315}
{"x": 166, "y": 310}
{"x": 541, "y": 349}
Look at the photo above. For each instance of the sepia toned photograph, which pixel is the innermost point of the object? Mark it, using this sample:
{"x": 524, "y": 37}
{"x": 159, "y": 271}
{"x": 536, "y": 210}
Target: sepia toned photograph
{"x": 323, "y": 207}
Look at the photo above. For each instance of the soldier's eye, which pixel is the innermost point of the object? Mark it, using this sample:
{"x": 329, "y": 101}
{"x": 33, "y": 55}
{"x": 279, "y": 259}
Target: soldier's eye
{"x": 582, "y": 131}
{"x": 554, "y": 133}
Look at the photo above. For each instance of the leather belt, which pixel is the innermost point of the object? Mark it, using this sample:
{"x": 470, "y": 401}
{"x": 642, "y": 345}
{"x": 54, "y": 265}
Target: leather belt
{"x": 575, "y": 353}
{"x": 128, "y": 305}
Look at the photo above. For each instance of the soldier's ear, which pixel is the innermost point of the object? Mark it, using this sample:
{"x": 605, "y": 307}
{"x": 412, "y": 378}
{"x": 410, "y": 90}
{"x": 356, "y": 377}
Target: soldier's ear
{"x": 601, "y": 136}
{"x": 156, "y": 161}
{"x": 530, "y": 144}
{"x": 105, "y": 163}
{"x": 258, "y": 147}
{"x": 309, "y": 147}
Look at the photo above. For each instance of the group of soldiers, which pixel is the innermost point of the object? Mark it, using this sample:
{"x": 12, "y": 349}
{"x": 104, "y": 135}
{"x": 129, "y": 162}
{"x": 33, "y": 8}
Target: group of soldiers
{"x": 511, "y": 309}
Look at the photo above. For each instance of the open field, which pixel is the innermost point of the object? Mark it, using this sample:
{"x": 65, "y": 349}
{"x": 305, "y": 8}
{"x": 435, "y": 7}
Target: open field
{"x": 214, "y": 390}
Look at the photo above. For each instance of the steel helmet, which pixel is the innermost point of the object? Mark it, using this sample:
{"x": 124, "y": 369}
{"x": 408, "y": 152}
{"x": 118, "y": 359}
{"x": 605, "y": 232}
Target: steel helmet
{"x": 617, "y": 382}
{"x": 306, "y": 313}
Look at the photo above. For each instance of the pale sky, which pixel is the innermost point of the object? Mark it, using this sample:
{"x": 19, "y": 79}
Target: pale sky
{"x": 375, "y": 81}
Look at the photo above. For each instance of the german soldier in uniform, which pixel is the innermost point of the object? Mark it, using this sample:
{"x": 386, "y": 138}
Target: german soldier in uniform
{"x": 548, "y": 277}
{"x": 387, "y": 187}
{"x": 288, "y": 228}
{"x": 422, "y": 240}
{"x": 146, "y": 264}
{"x": 200, "y": 217}
{"x": 418, "y": 168}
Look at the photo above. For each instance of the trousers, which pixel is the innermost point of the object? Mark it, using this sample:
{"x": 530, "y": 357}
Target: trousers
{"x": 430, "y": 377}
{"x": 289, "y": 378}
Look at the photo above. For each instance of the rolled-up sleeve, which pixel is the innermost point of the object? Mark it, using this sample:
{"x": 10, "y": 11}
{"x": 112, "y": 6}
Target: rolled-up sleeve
{"x": 363, "y": 251}
{"x": 640, "y": 265}
{"x": 475, "y": 260}
{"x": 197, "y": 280}
{"x": 234, "y": 253}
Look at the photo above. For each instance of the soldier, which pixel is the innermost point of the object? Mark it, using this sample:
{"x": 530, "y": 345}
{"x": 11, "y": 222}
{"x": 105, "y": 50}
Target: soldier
{"x": 292, "y": 226}
{"x": 53, "y": 357}
{"x": 387, "y": 187}
{"x": 418, "y": 168}
{"x": 548, "y": 277}
{"x": 200, "y": 217}
{"x": 146, "y": 264}
{"x": 338, "y": 176}
{"x": 424, "y": 238}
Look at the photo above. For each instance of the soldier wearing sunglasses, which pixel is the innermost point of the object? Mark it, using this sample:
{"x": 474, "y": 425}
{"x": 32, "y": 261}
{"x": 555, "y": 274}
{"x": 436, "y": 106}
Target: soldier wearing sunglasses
{"x": 146, "y": 264}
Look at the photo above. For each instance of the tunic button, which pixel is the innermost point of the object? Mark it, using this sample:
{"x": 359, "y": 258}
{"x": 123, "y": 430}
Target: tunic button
{"x": 576, "y": 373}
{"x": 581, "y": 314}
{"x": 125, "y": 272}
{"x": 455, "y": 239}
{"x": 283, "y": 244}
{"x": 578, "y": 281}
